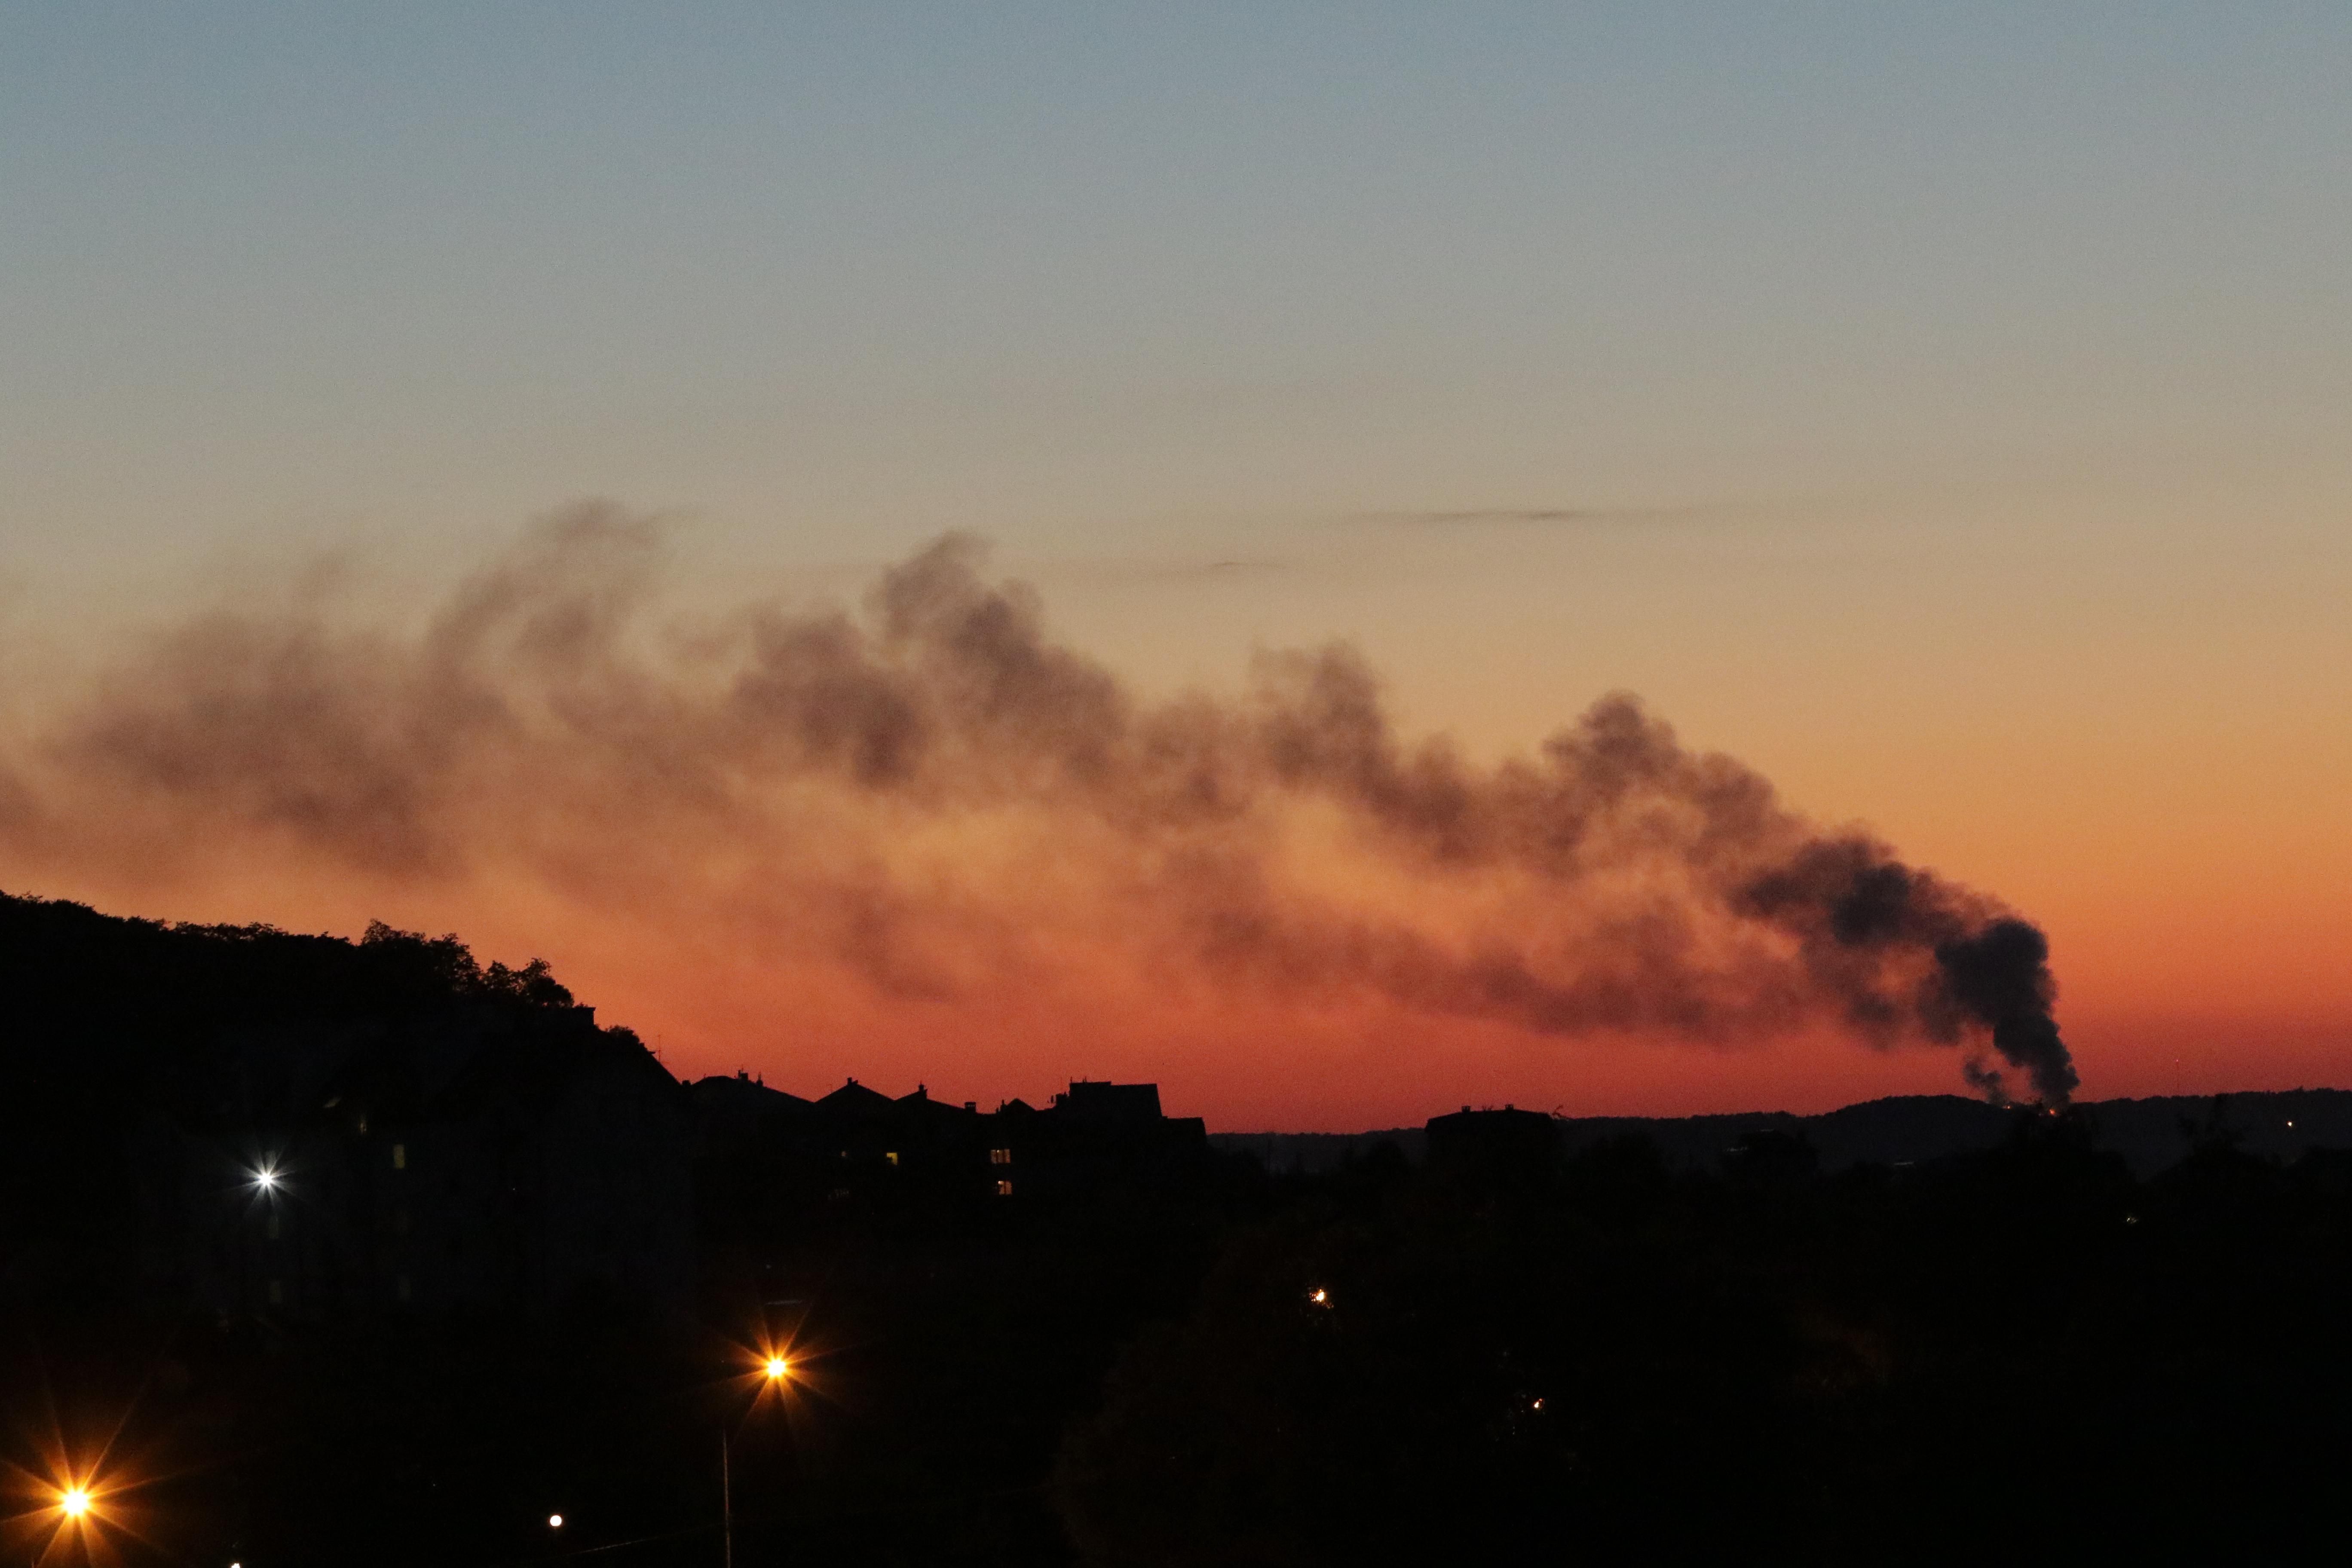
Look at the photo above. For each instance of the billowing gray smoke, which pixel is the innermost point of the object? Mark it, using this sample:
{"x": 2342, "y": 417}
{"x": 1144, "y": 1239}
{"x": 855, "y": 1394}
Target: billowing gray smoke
{"x": 1847, "y": 896}
{"x": 934, "y": 794}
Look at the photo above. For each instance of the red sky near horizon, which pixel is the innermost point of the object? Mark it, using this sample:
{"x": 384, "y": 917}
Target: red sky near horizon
{"x": 1265, "y": 1067}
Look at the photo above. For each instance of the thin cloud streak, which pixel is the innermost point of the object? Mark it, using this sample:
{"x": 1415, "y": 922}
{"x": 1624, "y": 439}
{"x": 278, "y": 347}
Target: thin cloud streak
{"x": 1551, "y": 516}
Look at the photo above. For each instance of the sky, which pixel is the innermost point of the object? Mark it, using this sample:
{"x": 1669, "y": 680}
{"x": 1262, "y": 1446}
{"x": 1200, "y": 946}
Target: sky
{"x": 1942, "y": 410}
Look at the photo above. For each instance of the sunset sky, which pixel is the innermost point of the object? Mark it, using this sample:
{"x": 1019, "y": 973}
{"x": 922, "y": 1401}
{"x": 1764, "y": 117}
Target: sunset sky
{"x": 1947, "y": 411}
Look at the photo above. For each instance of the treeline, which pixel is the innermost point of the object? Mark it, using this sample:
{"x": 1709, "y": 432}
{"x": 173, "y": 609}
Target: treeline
{"x": 73, "y": 980}
{"x": 101, "y": 1016}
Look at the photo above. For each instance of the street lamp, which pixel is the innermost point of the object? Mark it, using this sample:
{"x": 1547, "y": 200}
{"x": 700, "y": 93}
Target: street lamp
{"x": 776, "y": 1368}
{"x": 74, "y": 1501}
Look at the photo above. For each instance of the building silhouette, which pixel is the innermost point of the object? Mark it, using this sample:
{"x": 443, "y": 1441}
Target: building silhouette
{"x": 762, "y": 1152}
{"x": 1507, "y": 1147}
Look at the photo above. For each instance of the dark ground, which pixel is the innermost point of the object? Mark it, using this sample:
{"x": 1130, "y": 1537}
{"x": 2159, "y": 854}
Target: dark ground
{"x": 2025, "y": 1351}
{"x": 1795, "y": 1348}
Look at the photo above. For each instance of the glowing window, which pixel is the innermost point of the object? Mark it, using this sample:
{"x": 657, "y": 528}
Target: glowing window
{"x": 1000, "y": 1156}
{"x": 400, "y": 1156}
{"x": 1005, "y": 1189}
{"x": 891, "y": 1156}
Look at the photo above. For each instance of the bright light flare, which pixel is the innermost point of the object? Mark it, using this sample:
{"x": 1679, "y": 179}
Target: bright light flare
{"x": 75, "y": 1502}
{"x": 777, "y": 1368}
{"x": 555, "y": 1521}
{"x": 264, "y": 1178}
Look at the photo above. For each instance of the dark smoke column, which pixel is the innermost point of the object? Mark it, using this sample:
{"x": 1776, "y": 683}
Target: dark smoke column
{"x": 2001, "y": 977}
{"x": 1861, "y": 917}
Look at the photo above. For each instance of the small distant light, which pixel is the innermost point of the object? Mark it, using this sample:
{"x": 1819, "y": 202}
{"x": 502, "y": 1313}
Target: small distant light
{"x": 2290, "y": 1121}
{"x": 75, "y": 1502}
{"x": 1320, "y": 1297}
{"x": 554, "y": 1522}
{"x": 1536, "y": 1405}
{"x": 778, "y": 1366}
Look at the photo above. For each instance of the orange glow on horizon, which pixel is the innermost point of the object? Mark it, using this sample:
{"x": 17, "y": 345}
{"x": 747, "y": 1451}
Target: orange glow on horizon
{"x": 2137, "y": 1013}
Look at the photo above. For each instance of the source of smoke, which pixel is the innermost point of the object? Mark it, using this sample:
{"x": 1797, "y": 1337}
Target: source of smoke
{"x": 936, "y": 796}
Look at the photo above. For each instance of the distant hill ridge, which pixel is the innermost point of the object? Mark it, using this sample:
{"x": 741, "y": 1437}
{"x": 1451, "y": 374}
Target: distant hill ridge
{"x": 2150, "y": 1134}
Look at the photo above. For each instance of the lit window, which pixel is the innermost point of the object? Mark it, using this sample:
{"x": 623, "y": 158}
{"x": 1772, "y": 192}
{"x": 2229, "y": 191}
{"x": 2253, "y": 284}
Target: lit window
{"x": 400, "y": 1156}
{"x": 1000, "y": 1156}
{"x": 1005, "y": 1189}
{"x": 891, "y": 1156}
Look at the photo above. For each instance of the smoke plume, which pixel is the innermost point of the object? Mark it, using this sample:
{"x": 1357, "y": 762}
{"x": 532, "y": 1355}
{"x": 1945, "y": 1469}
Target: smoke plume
{"x": 934, "y": 795}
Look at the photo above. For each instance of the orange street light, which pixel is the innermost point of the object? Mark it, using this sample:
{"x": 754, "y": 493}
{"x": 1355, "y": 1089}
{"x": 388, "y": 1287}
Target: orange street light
{"x": 74, "y": 1501}
{"x": 778, "y": 1367}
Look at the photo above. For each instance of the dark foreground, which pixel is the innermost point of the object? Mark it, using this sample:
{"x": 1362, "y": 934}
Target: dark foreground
{"x": 2024, "y": 1352}
{"x": 510, "y": 1268}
